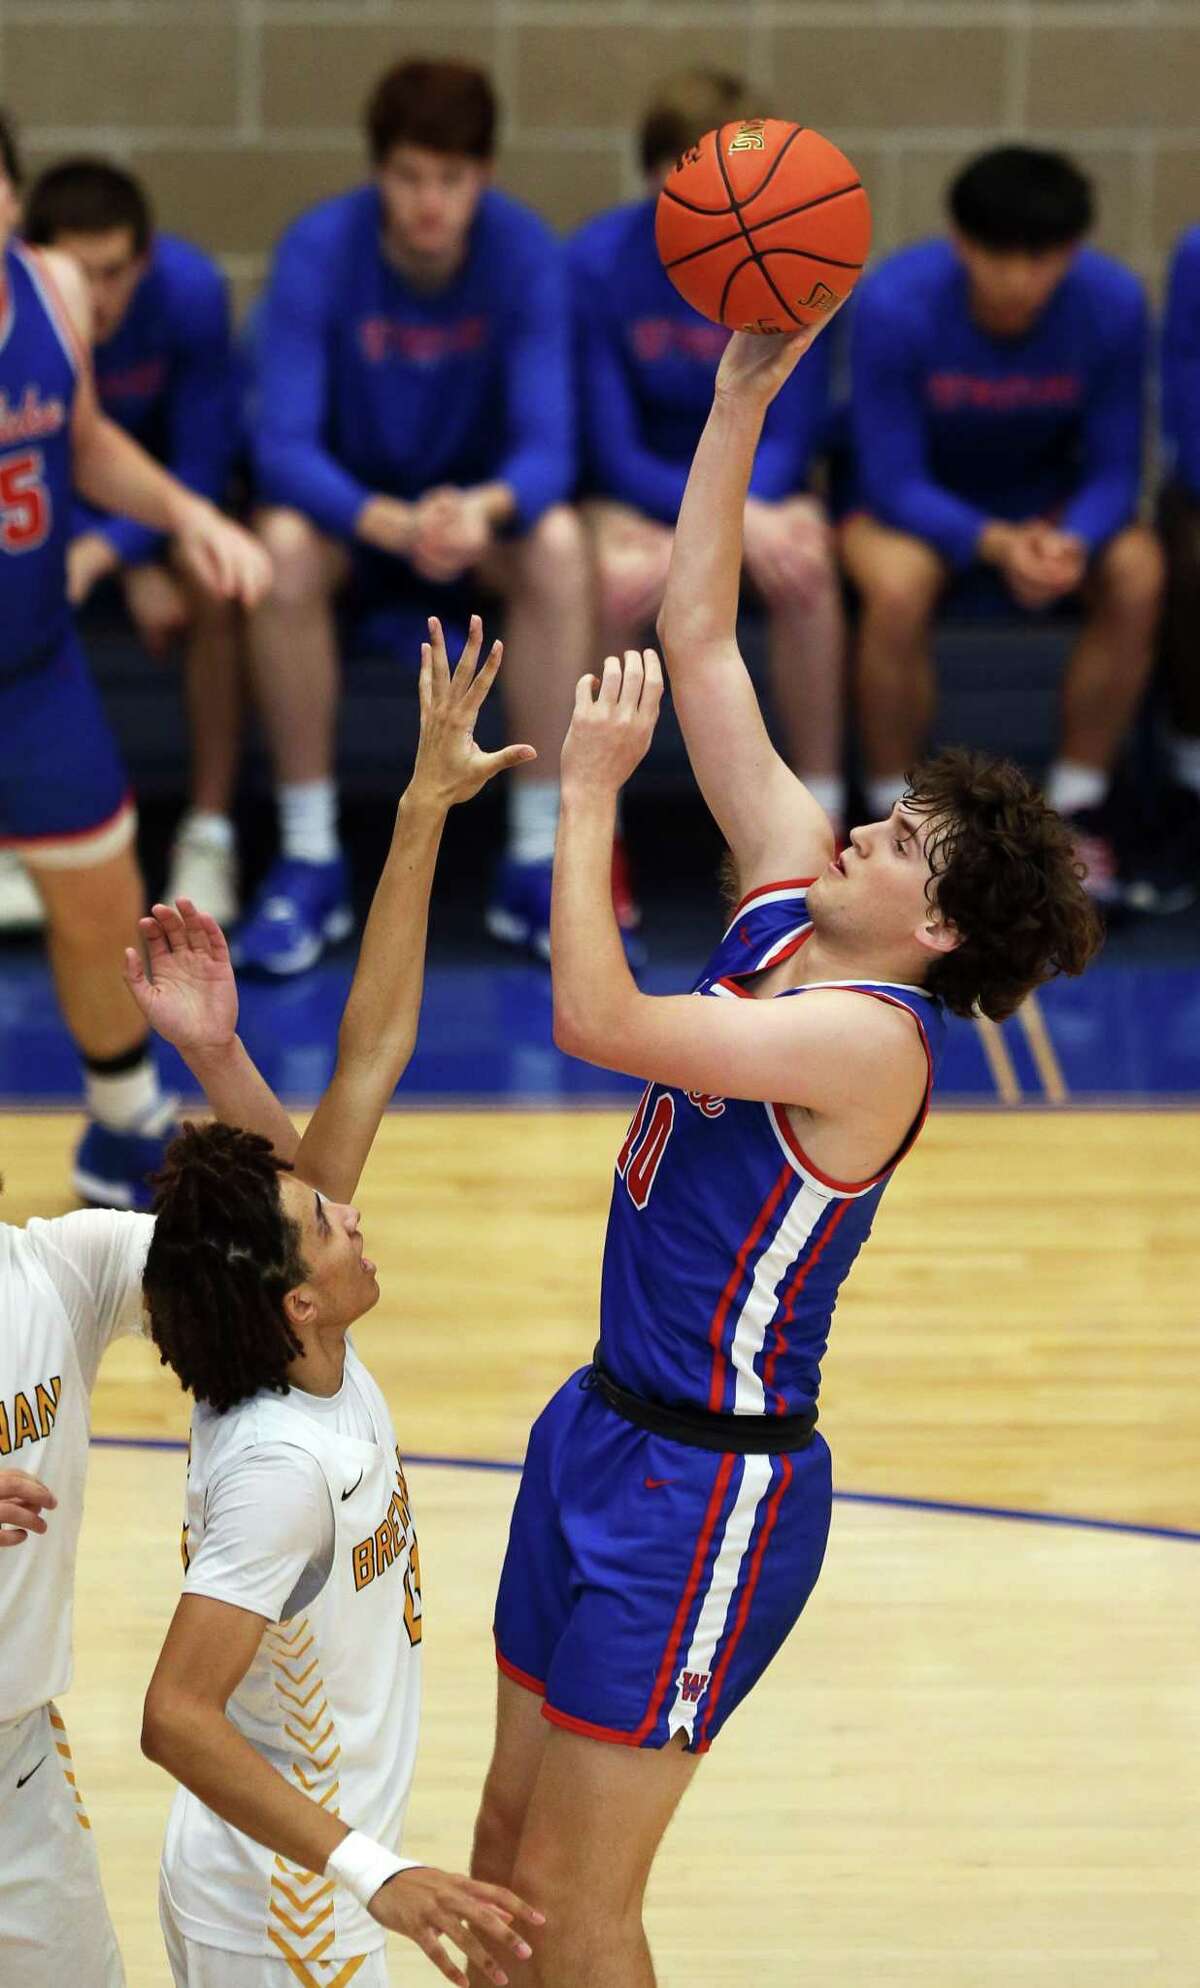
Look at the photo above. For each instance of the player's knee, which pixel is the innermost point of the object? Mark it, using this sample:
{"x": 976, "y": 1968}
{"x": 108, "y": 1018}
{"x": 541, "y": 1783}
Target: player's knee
{"x": 294, "y": 546}
{"x": 498, "y": 1827}
{"x": 899, "y": 591}
{"x": 555, "y": 553}
{"x": 1132, "y": 574}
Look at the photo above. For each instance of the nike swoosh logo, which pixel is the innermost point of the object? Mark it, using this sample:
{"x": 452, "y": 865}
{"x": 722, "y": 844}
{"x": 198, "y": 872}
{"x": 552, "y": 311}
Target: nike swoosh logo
{"x": 33, "y": 1770}
{"x": 656, "y": 1483}
{"x": 353, "y": 1488}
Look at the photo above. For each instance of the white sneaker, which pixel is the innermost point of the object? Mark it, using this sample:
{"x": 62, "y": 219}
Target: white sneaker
{"x": 21, "y": 909}
{"x": 205, "y": 871}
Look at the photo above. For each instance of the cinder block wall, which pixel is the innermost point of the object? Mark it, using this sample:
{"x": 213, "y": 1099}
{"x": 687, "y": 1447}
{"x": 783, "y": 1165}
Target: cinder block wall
{"x": 240, "y": 112}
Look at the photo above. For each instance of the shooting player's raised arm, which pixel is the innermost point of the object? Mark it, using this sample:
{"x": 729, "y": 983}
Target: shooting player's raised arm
{"x": 771, "y": 822}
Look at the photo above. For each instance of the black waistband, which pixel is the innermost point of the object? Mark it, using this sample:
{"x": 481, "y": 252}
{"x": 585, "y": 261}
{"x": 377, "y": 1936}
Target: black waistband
{"x": 741, "y": 1435}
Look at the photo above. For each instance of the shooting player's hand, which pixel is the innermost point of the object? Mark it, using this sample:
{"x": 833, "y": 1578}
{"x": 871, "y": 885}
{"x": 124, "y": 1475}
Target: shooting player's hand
{"x": 613, "y": 721}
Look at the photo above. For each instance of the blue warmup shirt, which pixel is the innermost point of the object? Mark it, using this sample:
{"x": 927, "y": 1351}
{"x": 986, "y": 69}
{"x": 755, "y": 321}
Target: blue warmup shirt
{"x": 1181, "y": 361}
{"x": 371, "y": 387}
{"x": 647, "y": 362}
{"x": 168, "y": 377}
{"x": 953, "y": 427}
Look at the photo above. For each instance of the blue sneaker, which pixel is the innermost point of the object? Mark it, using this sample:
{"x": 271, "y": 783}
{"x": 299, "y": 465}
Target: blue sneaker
{"x": 111, "y": 1168}
{"x": 300, "y": 909}
{"x": 518, "y": 913}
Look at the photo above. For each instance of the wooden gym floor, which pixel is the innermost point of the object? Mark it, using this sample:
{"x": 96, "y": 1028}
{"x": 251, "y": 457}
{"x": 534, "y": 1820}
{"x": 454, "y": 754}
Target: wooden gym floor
{"x": 974, "y": 1765}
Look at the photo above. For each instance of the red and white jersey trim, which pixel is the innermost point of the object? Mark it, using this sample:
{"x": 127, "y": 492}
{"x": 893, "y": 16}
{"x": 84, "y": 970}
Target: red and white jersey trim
{"x": 768, "y": 894}
{"x": 53, "y": 305}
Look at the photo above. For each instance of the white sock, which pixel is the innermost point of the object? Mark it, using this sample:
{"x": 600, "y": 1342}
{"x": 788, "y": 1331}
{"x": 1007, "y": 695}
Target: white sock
{"x": 134, "y": 1101}
{"x": 308, "y": 821}
{"x": 829, "y": 791}
{"x": 883, "y": 791}
{"x": 532, "y": 820}
{"x": 201, "y": 825}
{"x": 1185, "y": 760}
{"x": 1070, "y": 786}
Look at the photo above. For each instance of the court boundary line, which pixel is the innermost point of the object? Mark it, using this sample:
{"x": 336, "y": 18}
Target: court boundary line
{"x": 892, "y": 1501}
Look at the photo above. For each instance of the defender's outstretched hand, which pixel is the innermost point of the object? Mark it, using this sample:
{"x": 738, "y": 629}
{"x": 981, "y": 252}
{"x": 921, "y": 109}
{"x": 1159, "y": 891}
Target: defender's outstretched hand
{"x": 613, "y": 721}
{"x": 430, "y": 1906}
{"x": 757, "y": 363}
{"x": 190, "y": 995}
{"x": 450, "y": 766}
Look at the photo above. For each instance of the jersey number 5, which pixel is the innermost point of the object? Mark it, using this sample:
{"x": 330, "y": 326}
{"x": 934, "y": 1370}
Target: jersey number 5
{"x": 24, "y": 503}
{"x": 645, "y": 1143}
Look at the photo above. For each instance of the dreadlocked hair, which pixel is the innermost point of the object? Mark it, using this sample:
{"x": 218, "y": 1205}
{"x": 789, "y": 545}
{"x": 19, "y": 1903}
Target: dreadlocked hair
{"x": 1006, "y": 876}
{"x": 222, "y": 1256}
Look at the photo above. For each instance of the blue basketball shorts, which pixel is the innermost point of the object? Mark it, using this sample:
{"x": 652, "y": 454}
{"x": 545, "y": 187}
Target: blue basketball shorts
{"x": 647, "y": 1585}
{"x": 64, "y": 797}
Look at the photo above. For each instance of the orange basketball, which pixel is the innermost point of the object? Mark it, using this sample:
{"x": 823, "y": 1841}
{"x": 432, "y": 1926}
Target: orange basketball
{"x": 763, "y": 226}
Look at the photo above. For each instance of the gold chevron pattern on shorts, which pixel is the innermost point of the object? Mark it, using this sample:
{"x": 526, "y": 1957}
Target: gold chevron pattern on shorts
{"x": 63, "y": 1747}
{"x": 301, "y": 1907}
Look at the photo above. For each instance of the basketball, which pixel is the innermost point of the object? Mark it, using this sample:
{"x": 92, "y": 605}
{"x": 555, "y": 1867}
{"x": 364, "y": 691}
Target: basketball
{"x": 763, "y": 226}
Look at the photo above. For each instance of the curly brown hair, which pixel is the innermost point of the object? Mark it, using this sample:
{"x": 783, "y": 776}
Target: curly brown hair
{"x": 1006, "y": 875}
{"x": 222, "y": 1256}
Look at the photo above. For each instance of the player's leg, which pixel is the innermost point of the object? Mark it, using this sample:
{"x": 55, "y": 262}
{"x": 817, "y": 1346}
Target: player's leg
{"x": 65, "y": 805}
{"x": 1181, "y": 619}
{"x": 899, "y": 581}
{"x": 807, "y": 651}
{"x": 630, "y": 555}
{"x": 294, "y": 667}
{"x": 204, "y": 856}
{"x": 517, "y": 1753}
{"x": 545, "y": 580}
{"x": 1105, "y": 679}
{"x": 596, "y": 1818}
{"x": 54, "y": 1924}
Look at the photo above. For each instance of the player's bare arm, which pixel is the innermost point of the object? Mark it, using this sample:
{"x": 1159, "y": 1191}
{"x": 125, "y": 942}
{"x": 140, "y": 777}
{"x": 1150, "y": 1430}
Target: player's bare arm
{"x": 852, "y": 1066}
{"x": 187, "y": 992}
{"x": 772, "y": 824}
{"x": 115, "y": 472}
{"x": 209, "y": 1647}
{"x": 23, "y": 1499}
{"x": 379, "y": 1026}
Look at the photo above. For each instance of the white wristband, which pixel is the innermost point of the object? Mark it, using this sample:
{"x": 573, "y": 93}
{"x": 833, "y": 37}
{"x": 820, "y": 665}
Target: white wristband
{"x": 362, "y": 1865}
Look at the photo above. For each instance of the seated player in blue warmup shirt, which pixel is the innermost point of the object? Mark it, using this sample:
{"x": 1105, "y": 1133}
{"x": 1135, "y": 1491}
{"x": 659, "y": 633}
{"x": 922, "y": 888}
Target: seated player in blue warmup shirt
{"x": 647, "y": 362}
{"x": 165, "y": 373}
{"x": 414, "y": 418}
{"x": 1181, "y": 505}
{"x": 998, "y": 380}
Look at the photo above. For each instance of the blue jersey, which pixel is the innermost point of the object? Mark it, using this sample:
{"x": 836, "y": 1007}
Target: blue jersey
{"x": 370, "y": 387}
{"x": 39, "y": 365}
{"x": 726, "y": 1246}
{"x": 647, "y": 362}
{"x": 1181, "y": 362}
{"x": 954, "y": 427}
{"x": 168, "y": 377}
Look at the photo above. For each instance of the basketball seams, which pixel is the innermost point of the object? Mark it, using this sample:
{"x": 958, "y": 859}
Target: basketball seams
{"x": 786, "y": 214}
{"x": 763, "y": 271}
{"x": 797, "y": 131}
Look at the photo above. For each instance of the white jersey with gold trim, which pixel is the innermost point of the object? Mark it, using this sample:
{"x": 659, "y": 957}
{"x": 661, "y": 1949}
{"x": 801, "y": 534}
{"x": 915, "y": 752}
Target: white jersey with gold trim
{"x": 68, "y": 1287}
{"x": 332, "y": 1698}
